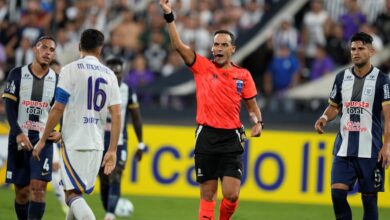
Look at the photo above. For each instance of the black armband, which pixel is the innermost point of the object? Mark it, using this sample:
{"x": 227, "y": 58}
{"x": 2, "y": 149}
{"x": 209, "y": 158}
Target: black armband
{"x": 169, "y": 17}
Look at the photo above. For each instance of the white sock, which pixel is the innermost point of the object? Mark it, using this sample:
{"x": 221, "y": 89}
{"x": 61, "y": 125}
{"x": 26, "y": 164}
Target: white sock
{"x": 58, "y": 189}
{"x": 70, "y": 215}
{"x": 81, "y": 210}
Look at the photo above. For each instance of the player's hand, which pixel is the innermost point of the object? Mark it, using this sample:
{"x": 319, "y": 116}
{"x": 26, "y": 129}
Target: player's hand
{"x": 384, "y": 156}
{"x": 23, "y": 141}
{"x": 37, "y": 150}
{"x": 256, "y": 130}
{"x": 320, "y": 124}
{"x": 55, "y": 136}
{"x": 109, "y": 162}
{"x": 166, "y": 6}
{"x": 138, "y": 154}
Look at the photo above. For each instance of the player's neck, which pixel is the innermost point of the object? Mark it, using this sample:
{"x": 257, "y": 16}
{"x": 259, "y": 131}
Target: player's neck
{"x": 89, "y": 53}
{"x": 39, "y": 69}
{"x": 363, "y": 70}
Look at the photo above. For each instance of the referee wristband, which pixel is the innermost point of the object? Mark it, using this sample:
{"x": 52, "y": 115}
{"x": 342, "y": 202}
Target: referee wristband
{"x": 169, "y": 17}
{"x": 141, "y": 145}
{"x": 324, "y": 117}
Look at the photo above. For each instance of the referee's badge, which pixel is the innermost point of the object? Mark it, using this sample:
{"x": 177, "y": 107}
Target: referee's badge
{"x": 239, "y": 85}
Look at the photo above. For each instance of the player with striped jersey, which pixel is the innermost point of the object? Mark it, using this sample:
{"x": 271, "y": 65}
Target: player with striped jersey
{"x": 87, "y": 90}
{"x": 360, "y": 93}
{"x": 110, "y": 185}
{"x": 29, "y": 95}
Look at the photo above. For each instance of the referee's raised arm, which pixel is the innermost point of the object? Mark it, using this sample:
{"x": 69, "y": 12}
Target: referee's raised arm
{"x": 186, "y": 53}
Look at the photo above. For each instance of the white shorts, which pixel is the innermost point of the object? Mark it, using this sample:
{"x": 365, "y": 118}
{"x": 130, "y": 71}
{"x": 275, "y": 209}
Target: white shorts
{"x": 79, "y": 169}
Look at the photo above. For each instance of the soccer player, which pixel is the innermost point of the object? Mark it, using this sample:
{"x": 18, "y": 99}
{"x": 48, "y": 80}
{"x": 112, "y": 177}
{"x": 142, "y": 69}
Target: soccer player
{"x": 361, "y": 93}
{"x": 86, "y": 91}
{"x": 110, "y": 184}
{"x": 220, "y": 87}
{"x": 29, "y": 95}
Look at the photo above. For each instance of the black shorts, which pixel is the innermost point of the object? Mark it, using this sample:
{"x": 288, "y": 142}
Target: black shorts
{"x": 218, "y": 153}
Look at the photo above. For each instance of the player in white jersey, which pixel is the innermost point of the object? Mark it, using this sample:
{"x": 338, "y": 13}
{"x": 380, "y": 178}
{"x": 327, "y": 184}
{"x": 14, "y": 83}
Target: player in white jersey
{"x": 361, "y": 94}
{"x": 86, "y": 91}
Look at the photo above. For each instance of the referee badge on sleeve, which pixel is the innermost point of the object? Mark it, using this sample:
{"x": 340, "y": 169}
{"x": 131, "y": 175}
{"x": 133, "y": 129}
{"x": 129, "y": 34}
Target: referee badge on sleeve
{"x": 239, "y": 85}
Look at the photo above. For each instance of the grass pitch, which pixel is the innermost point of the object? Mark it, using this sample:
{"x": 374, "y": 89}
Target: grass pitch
{"x": 164, "y": 208}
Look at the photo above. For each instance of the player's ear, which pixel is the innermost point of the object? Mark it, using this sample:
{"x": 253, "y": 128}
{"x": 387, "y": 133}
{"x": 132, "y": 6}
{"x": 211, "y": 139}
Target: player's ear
{"x": 80, "y": 47}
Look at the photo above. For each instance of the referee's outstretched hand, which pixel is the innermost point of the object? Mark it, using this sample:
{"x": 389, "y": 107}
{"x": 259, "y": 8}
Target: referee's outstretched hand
{"x": 166, "y": 6}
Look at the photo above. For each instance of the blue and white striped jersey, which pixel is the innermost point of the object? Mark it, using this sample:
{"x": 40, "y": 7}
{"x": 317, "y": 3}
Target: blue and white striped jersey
{"x": 34, "y": 97}
{"x": 129, "y": 100}
{"x": 360, "y": 101}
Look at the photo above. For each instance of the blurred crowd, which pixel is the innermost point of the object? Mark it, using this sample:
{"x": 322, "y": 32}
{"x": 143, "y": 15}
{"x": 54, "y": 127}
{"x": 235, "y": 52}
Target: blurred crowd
{"x": 301, "y": 50}
{"x": 319, "y": 43}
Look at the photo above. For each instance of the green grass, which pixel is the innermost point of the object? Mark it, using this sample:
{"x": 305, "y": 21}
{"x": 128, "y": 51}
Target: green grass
{"x": 163, "y": 208}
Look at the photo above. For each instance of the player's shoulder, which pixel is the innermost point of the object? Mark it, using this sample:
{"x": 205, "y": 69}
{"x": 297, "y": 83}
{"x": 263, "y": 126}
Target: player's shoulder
{"x": 16, "y": 71}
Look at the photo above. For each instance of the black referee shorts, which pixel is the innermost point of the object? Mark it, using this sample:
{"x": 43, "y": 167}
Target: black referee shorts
{"x": 218, "y": 153}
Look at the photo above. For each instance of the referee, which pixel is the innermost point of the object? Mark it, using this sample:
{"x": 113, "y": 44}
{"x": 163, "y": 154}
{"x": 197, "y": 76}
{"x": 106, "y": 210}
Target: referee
{"x": 220, "y": 87}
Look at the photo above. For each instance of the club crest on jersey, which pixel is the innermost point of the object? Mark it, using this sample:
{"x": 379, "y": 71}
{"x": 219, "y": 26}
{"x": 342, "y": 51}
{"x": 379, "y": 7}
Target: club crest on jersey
{"x": 369, "y": 90}
{"x": 239, "y": 85}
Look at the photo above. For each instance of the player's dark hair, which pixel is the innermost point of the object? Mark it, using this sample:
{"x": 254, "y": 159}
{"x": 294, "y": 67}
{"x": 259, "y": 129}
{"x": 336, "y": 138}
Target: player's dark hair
{"x": 115, "y": 61}
{"x": 363, "y": 37}
{"x": 45, "y": 37}
{"x": 91, "y": 39}
{"x": 227, "y": 32}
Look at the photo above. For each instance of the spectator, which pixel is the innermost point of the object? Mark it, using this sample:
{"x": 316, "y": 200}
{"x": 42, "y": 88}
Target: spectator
{"x": 352, "y": 19}
{"x": 322, "y": 63}
{"x": 336, "y": 47}
{"x": 382, "y": 24}
{"x": 286, "y": 34}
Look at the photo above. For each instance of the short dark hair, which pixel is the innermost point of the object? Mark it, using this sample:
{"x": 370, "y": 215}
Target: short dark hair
{"x": 114, "y": 61}
{"x": 363, "y": 37}
{"x": 91, "y": 39}
{"x": 45, "y": 37}
{"x": 227, "y": 32}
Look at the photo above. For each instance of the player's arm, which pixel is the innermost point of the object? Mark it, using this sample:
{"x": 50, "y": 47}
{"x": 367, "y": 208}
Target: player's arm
{"x": 329, "y": 114}
{"x": 109, "y": 159}
{"x": 255, "y": 116}
{"x": 186, "y": 53}
{"x": 384, "y": 154}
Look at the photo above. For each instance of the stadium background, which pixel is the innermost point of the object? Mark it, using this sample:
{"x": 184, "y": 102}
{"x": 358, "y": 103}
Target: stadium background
{"x": 288, "y": 164}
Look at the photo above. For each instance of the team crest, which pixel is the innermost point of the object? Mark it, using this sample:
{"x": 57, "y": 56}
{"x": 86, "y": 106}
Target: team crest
{"x": 369, "y": 91}
{"x": 239, "y": 85}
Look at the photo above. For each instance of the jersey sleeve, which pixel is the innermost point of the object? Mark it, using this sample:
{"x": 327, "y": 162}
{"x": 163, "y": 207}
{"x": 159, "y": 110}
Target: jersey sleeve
{"x": 65, "y": 80}
{"x": 385, "y": 89}
{"x": 199, "y": 64}
{"x": 249, "y": 91}
{"x": 335, "y": 94}
{"x": 11, "y": 90}
{"x": 115, "y": 98}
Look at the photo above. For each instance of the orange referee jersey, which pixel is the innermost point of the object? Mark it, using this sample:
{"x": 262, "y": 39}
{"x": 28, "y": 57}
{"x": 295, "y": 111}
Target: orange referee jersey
{"x": 219, "y": 92}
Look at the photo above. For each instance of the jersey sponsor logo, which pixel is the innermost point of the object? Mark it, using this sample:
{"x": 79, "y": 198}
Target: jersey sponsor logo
{"x": 239, "y": 85}
{"x": 33, "y": 125}
{"x": 34, "y": 111}
{"x": 90, "y": 120}
{"x": 50, "y": 78}
{"x": 10, "y": 87}
{"x": 371, "y": 77}
{"x": 360, "y": 104}
{"x": 355, "y": 111}
{"x": 31, "y": 103}
{"x": 354, "y": 126}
